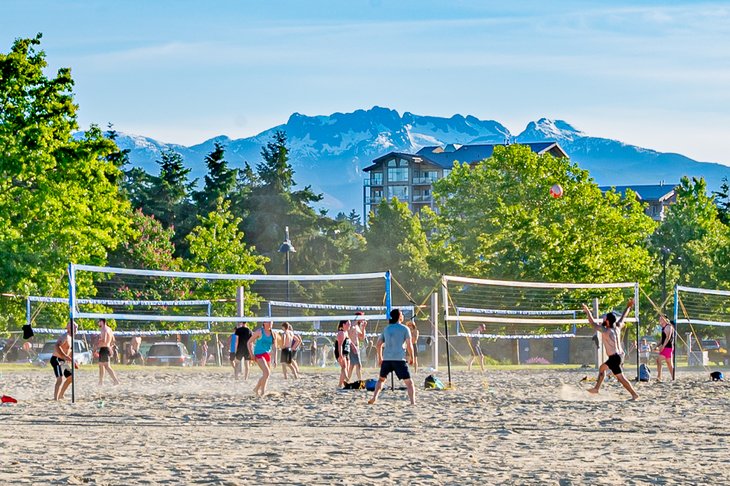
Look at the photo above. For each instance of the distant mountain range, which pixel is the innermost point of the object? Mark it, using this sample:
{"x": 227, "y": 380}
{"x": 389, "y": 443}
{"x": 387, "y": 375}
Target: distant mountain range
{"x": 329, "y": 152}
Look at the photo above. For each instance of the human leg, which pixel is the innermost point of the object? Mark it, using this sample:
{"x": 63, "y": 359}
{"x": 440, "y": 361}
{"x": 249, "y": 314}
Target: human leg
{"x": 622, "y": 379}
{"x": 378, "y": 387}
{"x": 659, "y": 368}
{"x": 111, "y": 373}
{"x": 246, "y": 368}
{"x": 101, "y": 373}
{"x": 64, "y": 387}
{"x": 599, "y": 379}
{"x": 57, "y": 387}
{"x": 411, "y": 389}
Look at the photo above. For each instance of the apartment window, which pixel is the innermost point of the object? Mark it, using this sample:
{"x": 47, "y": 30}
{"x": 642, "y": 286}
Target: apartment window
{"x": 391, "y": 163}
{"x": 376, "y": 178}
{"x": 397, "y": 174}
{"x": 447, "y": 172}
{"x": 403, "y": 163}
{"x": 401, "y": 192}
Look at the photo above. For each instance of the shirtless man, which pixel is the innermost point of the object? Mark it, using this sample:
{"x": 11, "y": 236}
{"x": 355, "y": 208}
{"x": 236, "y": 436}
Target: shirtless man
{"x": 104, "y": 350}
{"x": 134, "y": 347}
{"x": 356, "y": 333}
{"x": 610, "y": 330}
{"x": 62, "y": 355}
{"x": 289, "y": 344}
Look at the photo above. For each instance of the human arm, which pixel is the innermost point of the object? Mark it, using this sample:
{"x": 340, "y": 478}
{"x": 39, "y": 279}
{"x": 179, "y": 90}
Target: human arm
{"x": 629, "y": 306}
{"x": 591, "y": 321}
{"x": 361, "y": 331}
{"x": 409, "y": 347}
{"x": 252, "y": 340}
{"x": 379, "y": 349}
{"x": 340, "y": 340}
{"x": 60, "y": 351}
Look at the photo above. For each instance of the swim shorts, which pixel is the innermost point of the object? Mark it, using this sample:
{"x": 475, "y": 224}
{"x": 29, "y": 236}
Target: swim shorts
{"x": 57, "y": 365}
{"x": 666, "y": 353}
{"x": 264, "y": 356}
{"x": 104, "y": 354}
{"x": 399, "y": 367}
{"x": 614, "y": 363}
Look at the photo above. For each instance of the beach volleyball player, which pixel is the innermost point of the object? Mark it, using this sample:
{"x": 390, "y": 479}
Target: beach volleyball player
{"x": 261, "y": 344}
{"x": 610, "y": 329}
{"x": 392, "y": 347}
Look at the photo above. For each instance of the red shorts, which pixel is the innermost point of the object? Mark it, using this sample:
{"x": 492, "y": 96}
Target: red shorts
{"x": 266, "y": 356}
{"x": 666, "y": 353}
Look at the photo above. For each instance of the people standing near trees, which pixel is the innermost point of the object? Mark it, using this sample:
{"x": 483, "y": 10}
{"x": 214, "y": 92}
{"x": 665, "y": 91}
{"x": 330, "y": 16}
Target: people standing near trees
{"x": 342, "y": 351}
{"x": 356, "y": 333}
{"x": 261, "y": 344}
{"x": 61, "y": 356}
{"x": 290, "y": 342}
{"x": 610, "y": 329}
{"x": 394, "y": 345}
{"x": 665, "y": 348}
{"x": 476, "y": 347}
{"x": 104, "y": 350}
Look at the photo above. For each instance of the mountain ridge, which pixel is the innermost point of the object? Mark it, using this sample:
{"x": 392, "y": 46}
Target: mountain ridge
{"x": 329, "y": 152}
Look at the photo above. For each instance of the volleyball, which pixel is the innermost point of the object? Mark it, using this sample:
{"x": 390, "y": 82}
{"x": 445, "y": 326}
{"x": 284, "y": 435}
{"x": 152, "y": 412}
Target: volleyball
{"x": 556, "y": 191}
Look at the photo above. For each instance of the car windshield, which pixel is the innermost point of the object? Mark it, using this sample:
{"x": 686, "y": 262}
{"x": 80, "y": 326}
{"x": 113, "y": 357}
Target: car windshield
{"x": 164, "y": 350}
{"x": 48, "y": 347}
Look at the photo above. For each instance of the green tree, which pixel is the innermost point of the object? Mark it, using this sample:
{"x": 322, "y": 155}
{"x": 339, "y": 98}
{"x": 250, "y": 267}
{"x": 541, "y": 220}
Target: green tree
{"x": 396, "y": 241}
{"x": 722, "y": 197}
{"x": 59, "y": 196}
{"x": 497, "y": 220}
{"x": 273, "y": 204}
{"x": 217, "y": 246}
{"x": 220, "y": 182}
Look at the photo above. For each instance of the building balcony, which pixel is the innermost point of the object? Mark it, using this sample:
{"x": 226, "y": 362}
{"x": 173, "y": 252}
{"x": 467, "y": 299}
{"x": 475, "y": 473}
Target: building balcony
{"x": 372, "y": 182}
{"x": 421, "y": 198}
{"x": 424, "y": 180}
{"x": 374, "y": 200}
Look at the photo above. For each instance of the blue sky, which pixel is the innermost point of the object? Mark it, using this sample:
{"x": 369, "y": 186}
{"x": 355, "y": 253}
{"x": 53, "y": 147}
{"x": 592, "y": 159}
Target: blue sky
{"x": 650, "y": 73}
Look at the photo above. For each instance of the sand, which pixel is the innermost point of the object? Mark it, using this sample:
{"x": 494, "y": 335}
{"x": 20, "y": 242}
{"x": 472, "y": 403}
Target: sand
{"x": 172, "y": 426}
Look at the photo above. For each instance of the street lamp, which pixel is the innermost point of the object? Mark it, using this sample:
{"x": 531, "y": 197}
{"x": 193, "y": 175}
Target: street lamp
{"x": 665, "y": 254}
{"x": 287, "y": 248}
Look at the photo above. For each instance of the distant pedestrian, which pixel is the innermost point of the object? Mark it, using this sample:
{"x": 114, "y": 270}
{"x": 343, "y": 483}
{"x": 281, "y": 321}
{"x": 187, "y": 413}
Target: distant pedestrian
{"x": 104, "y": 346}
{"x": 356, "y": 333}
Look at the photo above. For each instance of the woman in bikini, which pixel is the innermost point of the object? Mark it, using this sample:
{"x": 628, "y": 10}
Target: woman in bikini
{"x": 342, "y": 351}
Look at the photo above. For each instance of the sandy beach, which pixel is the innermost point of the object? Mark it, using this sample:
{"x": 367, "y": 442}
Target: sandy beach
{"x": 199, "y": 426}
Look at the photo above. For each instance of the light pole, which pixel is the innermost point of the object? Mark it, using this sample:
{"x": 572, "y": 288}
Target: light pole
{"x": 287, "y": 248}
{"x": 665, "y": 255}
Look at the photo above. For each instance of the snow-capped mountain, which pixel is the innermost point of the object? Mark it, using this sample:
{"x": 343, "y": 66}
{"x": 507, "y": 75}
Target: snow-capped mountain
{"x": 329, "y": 152}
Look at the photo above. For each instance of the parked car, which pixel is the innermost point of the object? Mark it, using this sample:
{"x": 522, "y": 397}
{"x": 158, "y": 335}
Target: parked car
{"x": 82, "y": 353}
{"x": 716, "y": 353}
{"x": 168, "y": 354}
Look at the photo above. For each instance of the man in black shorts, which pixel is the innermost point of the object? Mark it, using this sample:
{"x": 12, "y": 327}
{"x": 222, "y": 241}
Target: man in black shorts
{"x": 242, "y": 357}
{"x": 61, "y": 356}
{"x": 610, "y": 330}
{"x": 392, "y": 347}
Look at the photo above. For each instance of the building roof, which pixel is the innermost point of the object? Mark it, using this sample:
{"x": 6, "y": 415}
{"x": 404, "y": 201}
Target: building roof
{"x": 445, "y": 157}
{"x": 647, "y": 192}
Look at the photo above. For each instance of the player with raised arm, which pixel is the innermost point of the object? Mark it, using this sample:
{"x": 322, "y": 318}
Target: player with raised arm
{"x": 610, "y": 330}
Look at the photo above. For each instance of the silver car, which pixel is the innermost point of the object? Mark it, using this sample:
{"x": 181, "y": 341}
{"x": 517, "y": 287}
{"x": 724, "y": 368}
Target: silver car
{"x": 82, "y": 353}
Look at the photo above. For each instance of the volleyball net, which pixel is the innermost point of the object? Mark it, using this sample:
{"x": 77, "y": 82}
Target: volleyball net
{"x": 544, "y": 320}
{"x": 702, "y": 318}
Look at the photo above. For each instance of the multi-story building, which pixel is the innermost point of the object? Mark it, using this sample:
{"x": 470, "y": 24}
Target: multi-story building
{"x": 410, "y": 177}
{"x": 657, "y": 196}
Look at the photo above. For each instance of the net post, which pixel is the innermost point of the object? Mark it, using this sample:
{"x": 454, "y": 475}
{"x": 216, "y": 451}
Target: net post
{"x": 388, "y": 301}
{"x": 435, "y": 330}
{"x": 638, "y": 326}
{"x": 599, "y": 350}
{"x": 445, "y": 298}
{"x": 72, "y": 317}
{"x": 674, "y": 334}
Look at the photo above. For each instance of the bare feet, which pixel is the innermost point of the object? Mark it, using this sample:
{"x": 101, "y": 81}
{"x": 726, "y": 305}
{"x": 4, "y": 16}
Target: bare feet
{"x": 371, "y": 401}
{"x": 593, "y": 390}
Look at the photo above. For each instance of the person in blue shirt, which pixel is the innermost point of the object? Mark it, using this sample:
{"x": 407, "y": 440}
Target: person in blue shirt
{"x": 393, "y": 346}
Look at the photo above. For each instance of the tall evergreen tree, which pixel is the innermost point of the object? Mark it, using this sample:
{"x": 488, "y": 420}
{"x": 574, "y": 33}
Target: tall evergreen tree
{"x": 220, "y": 182}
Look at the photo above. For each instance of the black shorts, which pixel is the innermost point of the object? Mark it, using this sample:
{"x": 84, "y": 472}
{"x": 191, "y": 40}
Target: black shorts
{"x": 104, "y": 354}
{"x": 242, "y": 354}
{"x": 57, "y": 365}
{"x": 287, "y": 355}
{"x": 399, "y": 367}
{"x": 345, "y": 353}
{"x": 614, "y": 363}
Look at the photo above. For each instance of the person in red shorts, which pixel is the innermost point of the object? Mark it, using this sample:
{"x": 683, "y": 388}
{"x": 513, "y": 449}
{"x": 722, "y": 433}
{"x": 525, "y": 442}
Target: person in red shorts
{"x": 261, "y": 344}
{"x": 665, "y": 348}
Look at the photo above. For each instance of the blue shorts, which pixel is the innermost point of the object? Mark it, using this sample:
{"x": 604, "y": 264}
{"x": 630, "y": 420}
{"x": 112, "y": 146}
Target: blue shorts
{"x": 399, "y": 367}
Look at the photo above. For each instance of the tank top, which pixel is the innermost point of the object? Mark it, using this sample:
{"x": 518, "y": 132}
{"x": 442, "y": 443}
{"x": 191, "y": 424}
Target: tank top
{"x": 263, "y": 344}
{"x": 664, "y": 338}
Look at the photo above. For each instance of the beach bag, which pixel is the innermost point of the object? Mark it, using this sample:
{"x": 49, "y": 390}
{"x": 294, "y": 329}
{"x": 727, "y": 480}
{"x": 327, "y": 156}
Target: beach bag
{"x": 355, "y": 385}
{"x": 27, "y": 331}
{"x": 433, "y": 383}
{"x": 370, "y": 384}
{"x": 644, "y": 373}
{"x": 717, "y": 376}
